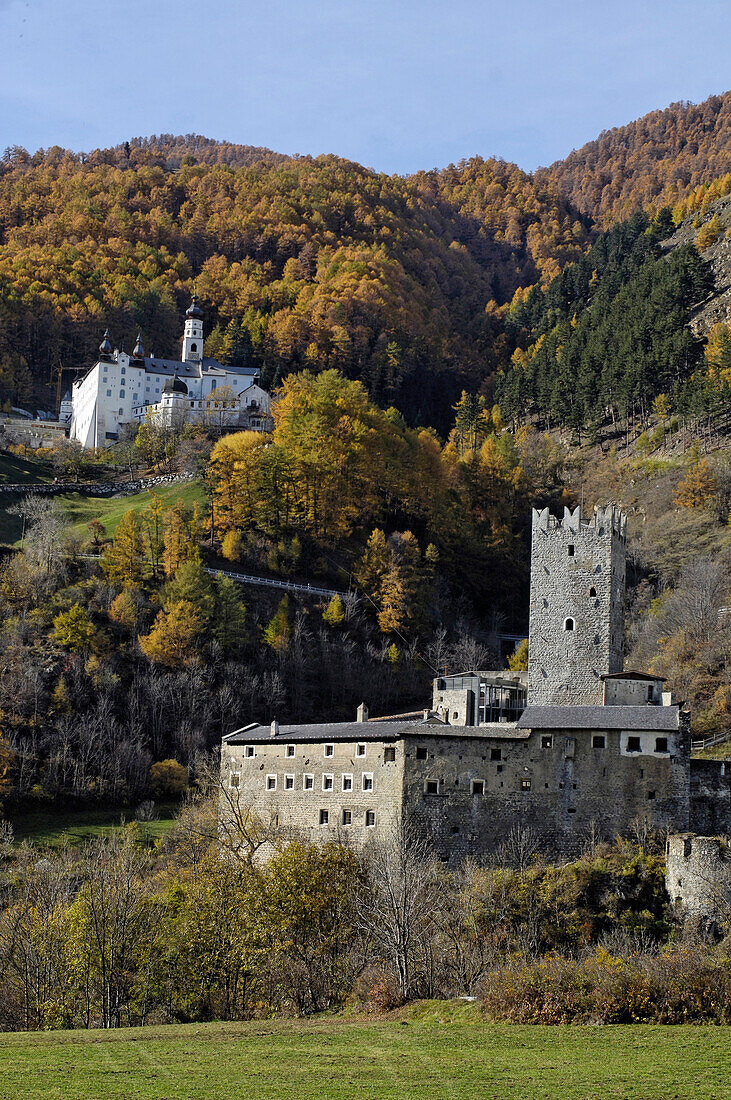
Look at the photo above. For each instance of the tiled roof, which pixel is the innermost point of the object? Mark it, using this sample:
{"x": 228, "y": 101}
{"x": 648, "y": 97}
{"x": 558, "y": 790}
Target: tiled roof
{"x": 369, "y": 731}
{"x": 599, "y": 718}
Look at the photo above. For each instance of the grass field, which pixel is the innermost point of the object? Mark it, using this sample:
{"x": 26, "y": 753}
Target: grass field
{"x": 53, "y": 827}
{"x": 435, "y": 1053}
{"x": 81, "y": 509}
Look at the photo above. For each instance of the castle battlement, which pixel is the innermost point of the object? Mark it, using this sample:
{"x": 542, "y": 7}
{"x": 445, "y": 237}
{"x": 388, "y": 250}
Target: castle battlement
{"x": 607, "y": 520}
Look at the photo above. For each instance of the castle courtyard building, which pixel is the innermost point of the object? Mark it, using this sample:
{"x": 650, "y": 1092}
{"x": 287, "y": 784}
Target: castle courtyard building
{"x": 578, "y": 748}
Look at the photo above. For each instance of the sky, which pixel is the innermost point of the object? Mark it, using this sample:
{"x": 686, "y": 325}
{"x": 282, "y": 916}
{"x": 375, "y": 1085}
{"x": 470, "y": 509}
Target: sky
{"x": 397, "y": 85}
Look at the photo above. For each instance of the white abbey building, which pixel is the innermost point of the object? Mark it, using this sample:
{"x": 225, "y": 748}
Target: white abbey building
{"x": 120, "y": 389}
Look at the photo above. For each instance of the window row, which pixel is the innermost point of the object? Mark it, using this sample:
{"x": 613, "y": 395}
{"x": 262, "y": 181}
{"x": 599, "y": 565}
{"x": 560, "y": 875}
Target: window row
{"x": 328, "y": 750}
{"x": 308, "y": 782}
{"x": 346, "y": 818}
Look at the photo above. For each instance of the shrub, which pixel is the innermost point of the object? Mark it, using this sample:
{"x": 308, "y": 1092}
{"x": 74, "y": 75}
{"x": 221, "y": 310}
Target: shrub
{"x": 683, "y": 985}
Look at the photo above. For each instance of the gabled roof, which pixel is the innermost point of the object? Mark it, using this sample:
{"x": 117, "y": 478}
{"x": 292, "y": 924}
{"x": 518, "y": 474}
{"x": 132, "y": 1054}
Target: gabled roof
{"x": 600, "y": 718}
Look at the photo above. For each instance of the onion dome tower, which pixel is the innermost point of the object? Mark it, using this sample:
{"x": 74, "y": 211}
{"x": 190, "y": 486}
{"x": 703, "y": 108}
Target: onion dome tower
{"x": 139, "y": 351}
{"x": 193, "y": 332}
{"x": 106, "y": 351}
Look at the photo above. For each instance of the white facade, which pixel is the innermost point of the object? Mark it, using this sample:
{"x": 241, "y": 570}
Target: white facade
{"x": 249, "y": 409}
{"x": 121, "y": 388}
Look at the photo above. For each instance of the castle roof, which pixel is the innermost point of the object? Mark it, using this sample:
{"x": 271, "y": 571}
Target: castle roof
{"x": 631, "y": 676}
{"x": 372, "y": 730}
{"x": 600, "y": 718}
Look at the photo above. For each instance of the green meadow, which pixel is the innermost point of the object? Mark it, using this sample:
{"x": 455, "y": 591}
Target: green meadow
{"x": 429, "y": 1052}
{"x": 80, "y": 509}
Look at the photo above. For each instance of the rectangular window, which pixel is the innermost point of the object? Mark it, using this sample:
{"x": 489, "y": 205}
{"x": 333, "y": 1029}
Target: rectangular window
{"x": 478, "y": 786}
{"x": 308, "y": 782}
{"x": 347, "y": 817}
{"x": 289, "y": 782}
{"x": 496, "y": 754}
{"x": 661, "y": 744}
{"x": 324, "y": 816}
{"x": 271, "y": 782}
{"x": 634, "y": 744}
{"x": 370, "y": 818}
{"x": 360, "y": 749}
{"x": 431, "y": 786}
{"x": 327, "y": 782}
{"x": 249, "y": 751}
{"x": 598, "y": 741}
{"x": 389, "y": 754}
{"x": 547, "y": 741}
{"x": 347, "y": 782}
{"x": 235, "y": 779}
{"x": 421, "y": 753}
{"x": 525, "y": 784}
{"x": 290, "y": 750}
{"x": 109, "y": 393}
{"x": 367, "y": 781}
{"x": 329, "y": 750}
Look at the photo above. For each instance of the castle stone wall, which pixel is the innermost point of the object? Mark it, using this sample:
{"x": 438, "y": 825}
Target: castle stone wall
{"x": 294, "y": 812}
{"x": 710, "y": 797}
{"x": 698, "y": 876}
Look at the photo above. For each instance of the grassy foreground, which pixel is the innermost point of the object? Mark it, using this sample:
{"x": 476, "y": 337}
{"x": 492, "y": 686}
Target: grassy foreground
{"x": 415, "y": 1057}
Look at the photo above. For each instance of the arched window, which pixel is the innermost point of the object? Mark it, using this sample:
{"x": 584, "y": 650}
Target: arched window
{"x": 194, "y": 347}
{"x": 592, "y": 591}
{"x": 568, "y": 624}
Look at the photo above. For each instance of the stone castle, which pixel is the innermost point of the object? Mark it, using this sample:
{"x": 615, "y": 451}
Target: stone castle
{"x": 576, "y": 746}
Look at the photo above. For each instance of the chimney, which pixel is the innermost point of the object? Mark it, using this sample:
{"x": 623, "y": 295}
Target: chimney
{"x": 361, "y": 714}
{"x": 274, "y": 729}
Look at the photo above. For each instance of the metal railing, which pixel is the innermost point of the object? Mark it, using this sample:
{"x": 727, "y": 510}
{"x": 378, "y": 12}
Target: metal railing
{"x": 269, "y": 582}
{"x": 709, "y": 742}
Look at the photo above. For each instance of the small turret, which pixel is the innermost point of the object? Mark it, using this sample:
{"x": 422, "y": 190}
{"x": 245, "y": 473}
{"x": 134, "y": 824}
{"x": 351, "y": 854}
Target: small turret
{"x": 139, "y": 351}
{"x": 106, "y": 351}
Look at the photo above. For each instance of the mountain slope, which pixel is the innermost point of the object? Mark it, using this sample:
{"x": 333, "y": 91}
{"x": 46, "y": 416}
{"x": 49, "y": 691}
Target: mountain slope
{"x": 308, "y": 262}
{"x": 649, "y": 163}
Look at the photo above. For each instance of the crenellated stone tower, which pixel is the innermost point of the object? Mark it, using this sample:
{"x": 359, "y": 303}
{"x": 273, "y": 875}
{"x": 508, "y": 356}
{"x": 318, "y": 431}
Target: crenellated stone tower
{"x": 576, "y": 605}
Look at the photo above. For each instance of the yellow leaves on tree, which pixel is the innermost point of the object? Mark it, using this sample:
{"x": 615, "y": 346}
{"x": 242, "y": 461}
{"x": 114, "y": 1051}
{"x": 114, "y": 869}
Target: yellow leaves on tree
{"x": 518, "y": 660}
{"x": 73, "y": 629}
{"x": 168, "y": 777}
{"x": 124, "y": 560}
{"x": 174, "y": 635}
{"x": 279, "y": 630}
{"x": 698, "y": 488}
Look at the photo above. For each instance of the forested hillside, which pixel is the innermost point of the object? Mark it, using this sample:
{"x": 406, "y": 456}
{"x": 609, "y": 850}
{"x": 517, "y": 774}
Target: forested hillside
{"x": 317, "y": 263}
{"x": 301, "y": 262}
{"x": 649, "y": 163}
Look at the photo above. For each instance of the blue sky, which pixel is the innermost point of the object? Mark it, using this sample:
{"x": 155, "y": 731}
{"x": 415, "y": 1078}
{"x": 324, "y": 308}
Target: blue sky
{"x": 395, "y": 84}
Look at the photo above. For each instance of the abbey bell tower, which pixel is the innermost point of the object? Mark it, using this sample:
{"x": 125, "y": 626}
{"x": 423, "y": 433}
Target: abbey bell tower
{"x": 193, "y": 333}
